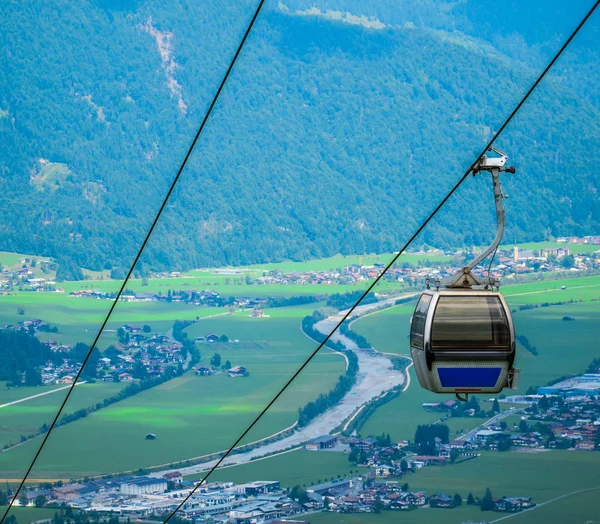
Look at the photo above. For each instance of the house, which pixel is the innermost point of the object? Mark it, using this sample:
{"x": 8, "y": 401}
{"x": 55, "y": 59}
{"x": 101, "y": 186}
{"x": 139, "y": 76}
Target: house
{"x": 440, "y": 500}
{"x": 204, "y": 371}
{"x": 67, "y": 379}
{"x": 425, "y": 460}
{"x": 258, "y": 487}
{"x": 173, "y": 476}
{"x": 365, "y": 444}
{"x": 211, "y": 337}
{"x": 384, "y": 470}
{"x": 150, "y": 436}
{"x": 237, "y": 371}
{"x": 324, "y": 442}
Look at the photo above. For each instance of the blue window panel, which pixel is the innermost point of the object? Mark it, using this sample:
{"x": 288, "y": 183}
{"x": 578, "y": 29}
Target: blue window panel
{"x": 469, "y": 377}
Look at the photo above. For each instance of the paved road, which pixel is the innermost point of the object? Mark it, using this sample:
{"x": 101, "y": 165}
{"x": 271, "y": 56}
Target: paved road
{"x": 491, "y": 421}
{"x": 376, "y": 376}
{"x": 39, "y": 395}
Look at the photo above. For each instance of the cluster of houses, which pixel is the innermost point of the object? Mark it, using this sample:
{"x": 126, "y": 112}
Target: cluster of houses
{"x": 251, "y": 503}
{"x": 509, "y": 263}
{"x": 155, "y": 496}
{"x": 565, "y": 415}
{"x": 143, "y": 355}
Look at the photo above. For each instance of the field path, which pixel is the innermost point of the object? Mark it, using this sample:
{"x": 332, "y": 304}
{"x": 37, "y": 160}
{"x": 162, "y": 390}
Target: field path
{"x": 376, "y": 376}
{"x": 39, "y": 395}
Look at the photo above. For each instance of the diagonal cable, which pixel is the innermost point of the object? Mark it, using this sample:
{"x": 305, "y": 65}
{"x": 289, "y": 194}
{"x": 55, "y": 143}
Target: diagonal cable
{"x": 139, "y": 254}
{"x": 392, "y": 262}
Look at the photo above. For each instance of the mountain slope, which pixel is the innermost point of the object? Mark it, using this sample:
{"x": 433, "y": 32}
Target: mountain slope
{"x": 332, "y": 135}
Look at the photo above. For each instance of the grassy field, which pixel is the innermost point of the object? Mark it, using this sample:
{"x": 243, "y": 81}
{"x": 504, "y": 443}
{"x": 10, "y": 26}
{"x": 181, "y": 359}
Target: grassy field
{"x": 199, "y": 414}
{"x": 299, "y": 467}
{"x": 581, "y": 508}
{"x": 78, "y": 319}
{"x": 514, "y": 474}
{"x": 419, "y": 516}
{"x": 564, "y": 348}
{"x": 28, "y": 515}
{"x": 26, "y": 417}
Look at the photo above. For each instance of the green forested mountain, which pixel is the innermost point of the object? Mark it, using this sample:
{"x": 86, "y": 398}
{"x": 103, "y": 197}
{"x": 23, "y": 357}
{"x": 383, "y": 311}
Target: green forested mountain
{"x": 342, "y": 126}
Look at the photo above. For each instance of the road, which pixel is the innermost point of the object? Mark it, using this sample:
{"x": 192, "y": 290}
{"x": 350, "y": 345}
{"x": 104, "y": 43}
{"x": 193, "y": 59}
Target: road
{"x": 489, "y": 422}
{"x": 39, "y": 395}
{"x": 376, "y": 376}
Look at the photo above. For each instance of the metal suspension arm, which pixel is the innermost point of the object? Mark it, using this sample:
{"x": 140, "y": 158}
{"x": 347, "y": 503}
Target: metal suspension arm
{"x": 464, "y": 278}
{"x": 500, "y": 214}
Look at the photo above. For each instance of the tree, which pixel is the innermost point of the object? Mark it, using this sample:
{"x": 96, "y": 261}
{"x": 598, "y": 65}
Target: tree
{"x": 544, "y": 403}
{"x": 215, "y": 361}
{"x": 139, "y": 371}
{"x": 224, "y": 338}
{"x": 353, "y": 455}
{"x": 228, "y": 365}
{"x": 403, "y": 466}
{"x": 377, "y": 505}
{"x": 454, "y": 454}
{"x": 470, "y": 499}
{"x": 362, "y": 457}
{"x": 504, "y": 444}
{"x": 404, "y": 487}
{"x": 503, "y": 425}
{"x": 523, "y": 426}
{"x": 23, "y": 500}
{"x": 487, "y": 502}
{"x": 33, "y": 377}
{"x": 146, "y": 328}
{"x": 567, "y": 261}
{"x": 3, "y": 498}
{"x": 495, "y": 406}
{"x": 456, "y": 500}
{"x": 40, "y": 501}
{"x": 298, "y": 493}
{"x": 474, "y": 404}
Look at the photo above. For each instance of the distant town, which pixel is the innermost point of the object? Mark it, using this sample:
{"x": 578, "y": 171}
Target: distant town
{"x": 508, "y": 265}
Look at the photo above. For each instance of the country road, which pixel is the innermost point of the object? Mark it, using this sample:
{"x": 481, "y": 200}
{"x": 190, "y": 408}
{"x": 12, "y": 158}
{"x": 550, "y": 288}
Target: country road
{"x": 376, "y": 376}
{"x": 39, "y": 395}
{"x": 491, "y": 421}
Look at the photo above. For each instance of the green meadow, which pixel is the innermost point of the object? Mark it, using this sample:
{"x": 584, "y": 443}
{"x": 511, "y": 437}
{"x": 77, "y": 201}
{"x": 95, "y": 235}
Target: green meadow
{"x": 27, "y": 417}
{"x": 564, "y": 347}
{"x": 543, "y": 475}
{"x": 299, "y": 467}
{"x": 190, "y": 416}
{"x": 78, "y": 319}
{"x": 28, "y": 515}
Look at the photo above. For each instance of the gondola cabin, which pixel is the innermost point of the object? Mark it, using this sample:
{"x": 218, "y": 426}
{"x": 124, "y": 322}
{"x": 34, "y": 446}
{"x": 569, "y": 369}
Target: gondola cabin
{"x": 462, "y": 341}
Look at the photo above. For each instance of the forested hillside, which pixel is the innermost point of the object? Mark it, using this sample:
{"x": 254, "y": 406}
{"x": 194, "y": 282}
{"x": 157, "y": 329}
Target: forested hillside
{"x": 340, "y": 129}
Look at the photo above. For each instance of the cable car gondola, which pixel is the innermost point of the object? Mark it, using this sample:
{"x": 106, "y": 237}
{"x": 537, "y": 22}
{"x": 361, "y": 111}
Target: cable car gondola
{"x": 462, "y": 337}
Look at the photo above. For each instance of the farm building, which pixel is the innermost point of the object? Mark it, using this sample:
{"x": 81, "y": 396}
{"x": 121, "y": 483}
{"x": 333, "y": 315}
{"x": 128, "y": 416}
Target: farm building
{"x": 150, "y": 436}
{"x": 238, "y": 371}
{"x": 203, "y": 371}
{"x": 142, "y": 485}
{"x": 324, "y": 442}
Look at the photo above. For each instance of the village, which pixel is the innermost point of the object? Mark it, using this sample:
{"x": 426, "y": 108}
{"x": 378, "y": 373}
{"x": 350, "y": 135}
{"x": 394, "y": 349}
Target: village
{"x": 250, "y": 503}
{"x": 140, "y": 355}
{"x": 509, "y": 265}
